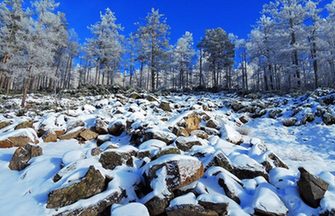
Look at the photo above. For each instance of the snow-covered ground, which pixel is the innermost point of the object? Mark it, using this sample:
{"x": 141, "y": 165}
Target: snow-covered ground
{"x": 221, "y": 133}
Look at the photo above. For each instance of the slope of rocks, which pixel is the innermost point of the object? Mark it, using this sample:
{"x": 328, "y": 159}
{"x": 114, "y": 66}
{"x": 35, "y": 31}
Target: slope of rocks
{"x": 163, "y": 155}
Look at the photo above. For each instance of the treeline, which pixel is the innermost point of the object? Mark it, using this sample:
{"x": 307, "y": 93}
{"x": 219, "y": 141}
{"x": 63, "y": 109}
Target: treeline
{"x": 36, "y": 47}
{"x": 292, "y": 46}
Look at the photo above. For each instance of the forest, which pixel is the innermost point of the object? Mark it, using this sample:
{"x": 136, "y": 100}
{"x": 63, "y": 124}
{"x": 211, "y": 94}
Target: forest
{"x": 291, "y": 47}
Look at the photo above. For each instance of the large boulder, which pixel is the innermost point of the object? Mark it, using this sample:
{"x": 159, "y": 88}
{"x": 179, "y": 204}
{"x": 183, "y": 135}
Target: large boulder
{"x": 192, "y": 122}
{"x": 72, "y": 134}
{"x": 101, "y": 127}
{"x": 164, "y": 105}
{"x": 164, "y": 136}
{"x": 273, "y": 161}
{"x": 181, "y": 170}
{"x": 117, "y": 127}
{"x": 328, "y": 118}
{"x": 189, "y": 209}
{"x": 49, "y": 136}
{"x": 112, "y": 159}
{"x": 186, "y": 143}
{"x": 22, "y": 156}
{"x": 18, "y": 138}
{"x": 267, "y": 203}
{"x": 221, "y": 160}
{"x": 92, "y": 184}
{"x": 25, "y": 124}
{"x": 87, "y": 134}
{"x": 157, "y": 205}
{"x": 245, "y": 167}
{"x": 95, "y": 206}
{"x": 311, "y": 188}
{"x": 5, "y": 123}
{"x": 289, "y": 122}
{"x": 214, "y": 203}
{"x": 231, "y": 185}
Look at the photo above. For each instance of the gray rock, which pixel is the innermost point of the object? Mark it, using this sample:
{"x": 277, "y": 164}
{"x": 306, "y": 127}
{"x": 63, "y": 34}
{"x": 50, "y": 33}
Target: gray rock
{"x": 112, "y": 159}
{"x": 22, "y": 155}
{"x": 92, "y": 184}
{"x": 311, "y": 188}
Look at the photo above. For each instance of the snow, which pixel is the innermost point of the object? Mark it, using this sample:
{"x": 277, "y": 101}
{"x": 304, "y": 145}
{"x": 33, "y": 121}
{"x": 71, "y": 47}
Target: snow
{"x": 267, "y": 201}
{"x": 131, "y": 209}
{"x": 310, "y": 145}
{"x": 188, "y": 199}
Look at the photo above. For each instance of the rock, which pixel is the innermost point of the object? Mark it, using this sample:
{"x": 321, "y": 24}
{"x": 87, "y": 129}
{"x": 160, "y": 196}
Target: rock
{"x": 275, "y": 113}
{"x": 102, "y": 139}
{"x": 231, "y": 135}
{"x": 245, "y": 167}
{"x": 192, "y": 122}
{"x": 75, "y": 124}
{"x": 96, "y": 207}
{"x": 231, "y": 185}
{"x": 221, "y": 160}
{"x": 290, "y": 122}
{"x": 72, "y": 134}
{"x": 96, "y": 151}
{"x": 87, "y": 134}
{"x": 212, "y": 124}
{"x": 328, "y": 118}
{"x": 311, "y": 188}
{"x": 186, "y": 143}
{"x": 180, "y": 131}
{"x": 181, "y": 170}
{"x": 267, "y": 203}
{"x": 117, "y": 127}
{"x": 49, "y": 136}
{"x": 199, "y": 133}
{"x": 22, "y": 155}
{"x": 101, "y": 127}
{"x": 25, "y": 124}
{"x": 309, "y": 117}
{"x": 157, "y": 205}
{"x": 5, "y": 123}
{"x": 18, "y": 138}
{"x": 236, "y": 106}
{"x": 151, "y": 98}
{"x": 189, "y": 209}
{"x": 92, "y": 184}
{"x": 167, "y": 151}
{"x": 273, "y": 161}
{"x": 220, "y": 208}
{"x": 164, "y": 105}
{"x": 112, "y": 159}
{"x": 211, "y": 131}
{"x": 244, "y": 119}
{"x": 135, "y": 95}
{"x": 164, "y": 136}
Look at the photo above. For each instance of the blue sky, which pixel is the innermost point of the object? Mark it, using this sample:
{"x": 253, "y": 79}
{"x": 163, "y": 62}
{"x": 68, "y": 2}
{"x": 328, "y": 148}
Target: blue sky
{"x": 235, "y": 16}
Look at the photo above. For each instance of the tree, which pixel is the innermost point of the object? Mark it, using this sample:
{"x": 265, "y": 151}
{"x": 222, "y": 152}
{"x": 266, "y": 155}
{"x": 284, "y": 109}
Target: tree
{"x": 220, "y": 51}
{"x": 183, "y": 54}
{"x": 106, "y": 46}
{"x": 154, "y": 40}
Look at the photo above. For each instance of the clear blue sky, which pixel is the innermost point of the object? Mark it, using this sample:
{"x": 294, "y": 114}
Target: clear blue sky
{"x": 235, "y": 16}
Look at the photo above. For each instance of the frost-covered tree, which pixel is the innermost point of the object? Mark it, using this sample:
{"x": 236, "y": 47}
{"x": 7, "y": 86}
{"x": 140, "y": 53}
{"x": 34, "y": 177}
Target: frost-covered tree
{"x": 16, "y": 30}
{"x": 183, "y": 54}
{"x": 153, "y": 36}
{"x": 106, "y": 46}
